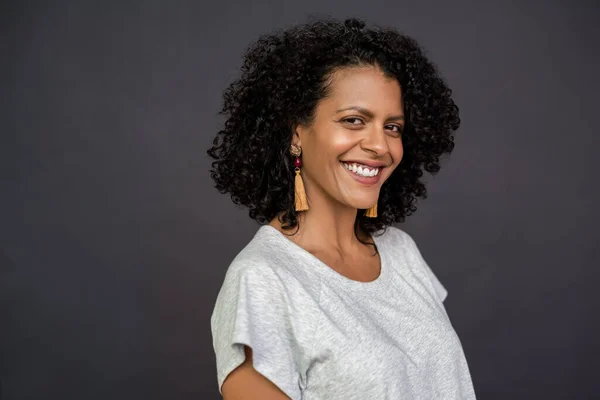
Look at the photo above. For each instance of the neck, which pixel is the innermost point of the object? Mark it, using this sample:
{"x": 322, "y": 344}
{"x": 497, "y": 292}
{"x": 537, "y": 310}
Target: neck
{"x": 326, "y": 226}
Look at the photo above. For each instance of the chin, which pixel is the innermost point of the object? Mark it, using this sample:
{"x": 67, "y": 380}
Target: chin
{"x": 363, "y": 204}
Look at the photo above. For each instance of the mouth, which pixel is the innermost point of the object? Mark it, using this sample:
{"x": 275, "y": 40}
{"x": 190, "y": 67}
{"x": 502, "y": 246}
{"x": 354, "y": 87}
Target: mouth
{"x": 363, "y": 173}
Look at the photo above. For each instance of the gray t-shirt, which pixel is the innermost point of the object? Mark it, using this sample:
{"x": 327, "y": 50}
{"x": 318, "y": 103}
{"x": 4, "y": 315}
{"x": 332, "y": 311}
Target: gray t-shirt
{"x": 319, "y": 335}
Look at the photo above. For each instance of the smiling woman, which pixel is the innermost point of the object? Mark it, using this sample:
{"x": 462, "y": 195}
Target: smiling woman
{"x": 363, "y": 135}
{"x": 329, "y": 130}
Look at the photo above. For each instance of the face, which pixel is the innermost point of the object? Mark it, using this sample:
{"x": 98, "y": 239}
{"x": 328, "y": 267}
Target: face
{"x": 354, "y": 142}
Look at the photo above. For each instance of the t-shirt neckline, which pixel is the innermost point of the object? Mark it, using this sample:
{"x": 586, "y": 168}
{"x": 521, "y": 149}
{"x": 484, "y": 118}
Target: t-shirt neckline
{"x": 325, "y": 269}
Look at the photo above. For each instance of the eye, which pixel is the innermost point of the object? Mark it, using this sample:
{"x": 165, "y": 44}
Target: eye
{"x": 353, "y": 121}
{"x": 396, "y": 128}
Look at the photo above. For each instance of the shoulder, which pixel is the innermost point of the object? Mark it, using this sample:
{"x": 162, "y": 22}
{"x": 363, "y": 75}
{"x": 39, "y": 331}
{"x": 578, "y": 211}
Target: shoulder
{"x": 265, "y": 258}
{"x": 255, "y": 267}
{"x": 400, "y": 244}
{"x": 254, "y": 283}
{"x": 395, "y": 237}
{"x": 268, "y": 264}
{"x": 400, "y": 241}
{"x": 262, "y": 305}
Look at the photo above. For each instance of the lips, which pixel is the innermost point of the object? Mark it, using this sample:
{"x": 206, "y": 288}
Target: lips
{"x": 361, "y": 169}
{"x": 366, "y": 180}
{"x": 368, "y": 163}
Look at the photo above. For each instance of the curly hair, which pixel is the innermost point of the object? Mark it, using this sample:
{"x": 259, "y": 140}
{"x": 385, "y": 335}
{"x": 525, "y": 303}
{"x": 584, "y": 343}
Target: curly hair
{"x": 283, "y": 77}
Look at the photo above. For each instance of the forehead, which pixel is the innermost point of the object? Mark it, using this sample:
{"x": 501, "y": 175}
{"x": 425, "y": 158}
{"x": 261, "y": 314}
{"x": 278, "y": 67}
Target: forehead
{"x": 366, "y": 86}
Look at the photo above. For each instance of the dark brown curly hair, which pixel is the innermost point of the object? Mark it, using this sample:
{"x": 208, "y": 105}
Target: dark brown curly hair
{"x": 283, "y": 77}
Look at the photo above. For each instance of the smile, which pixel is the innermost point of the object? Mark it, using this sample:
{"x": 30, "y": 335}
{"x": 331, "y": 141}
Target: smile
{"x": 361, "y": 170}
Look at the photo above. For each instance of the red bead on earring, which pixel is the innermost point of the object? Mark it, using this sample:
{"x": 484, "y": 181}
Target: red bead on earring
{"x": 297, "y": 162}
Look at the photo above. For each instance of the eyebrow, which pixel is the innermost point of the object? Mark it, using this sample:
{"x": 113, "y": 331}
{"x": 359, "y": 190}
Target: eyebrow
{"x": 369, "y": 113}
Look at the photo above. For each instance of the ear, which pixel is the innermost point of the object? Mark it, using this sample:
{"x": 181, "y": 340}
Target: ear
{"x": 299, "y": 132}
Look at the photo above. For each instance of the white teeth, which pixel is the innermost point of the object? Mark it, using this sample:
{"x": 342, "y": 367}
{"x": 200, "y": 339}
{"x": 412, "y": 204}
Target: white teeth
{"x": 361, "y": 170}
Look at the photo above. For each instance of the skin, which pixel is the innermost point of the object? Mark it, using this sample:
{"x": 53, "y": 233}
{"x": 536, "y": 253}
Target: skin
{"x": 372, "y": 133}
{"x": 368, "y": 128}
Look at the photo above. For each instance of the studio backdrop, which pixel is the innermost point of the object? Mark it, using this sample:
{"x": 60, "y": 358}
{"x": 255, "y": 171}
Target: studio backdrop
{"x": 114, "y": 243}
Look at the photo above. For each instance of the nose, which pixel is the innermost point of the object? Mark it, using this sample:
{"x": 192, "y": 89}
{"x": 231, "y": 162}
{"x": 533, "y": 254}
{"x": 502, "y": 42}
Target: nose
{"x": 375, "y": 142}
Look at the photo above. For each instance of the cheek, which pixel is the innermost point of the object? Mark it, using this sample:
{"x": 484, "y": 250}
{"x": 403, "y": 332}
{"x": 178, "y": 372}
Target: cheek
{"x": 396, "y": 151}
{"x": 335, "y": 143}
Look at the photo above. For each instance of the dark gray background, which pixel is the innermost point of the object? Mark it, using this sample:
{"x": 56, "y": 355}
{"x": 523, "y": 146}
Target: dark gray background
{"x": 113, "y": 243}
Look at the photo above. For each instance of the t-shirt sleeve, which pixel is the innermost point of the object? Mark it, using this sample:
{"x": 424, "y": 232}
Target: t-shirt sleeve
{"x": 440, "y": 290}
{"x": 252, "y": 309}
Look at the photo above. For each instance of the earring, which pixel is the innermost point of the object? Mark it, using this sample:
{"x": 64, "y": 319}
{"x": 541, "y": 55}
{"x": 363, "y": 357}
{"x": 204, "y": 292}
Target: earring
{"x": 301, "y": 203}
{"x": 371, "y": 212}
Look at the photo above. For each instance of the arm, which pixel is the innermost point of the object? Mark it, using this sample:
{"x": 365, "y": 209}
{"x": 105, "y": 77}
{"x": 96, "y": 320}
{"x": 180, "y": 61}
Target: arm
{"x": 245, "y": 383}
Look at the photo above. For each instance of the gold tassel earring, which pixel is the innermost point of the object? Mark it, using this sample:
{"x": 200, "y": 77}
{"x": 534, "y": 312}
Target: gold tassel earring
{"x": 301, "y": 204}
{"x": 371, "y": 212}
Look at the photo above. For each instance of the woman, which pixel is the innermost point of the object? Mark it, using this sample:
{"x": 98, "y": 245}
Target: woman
{"x": 328, "y": 132}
